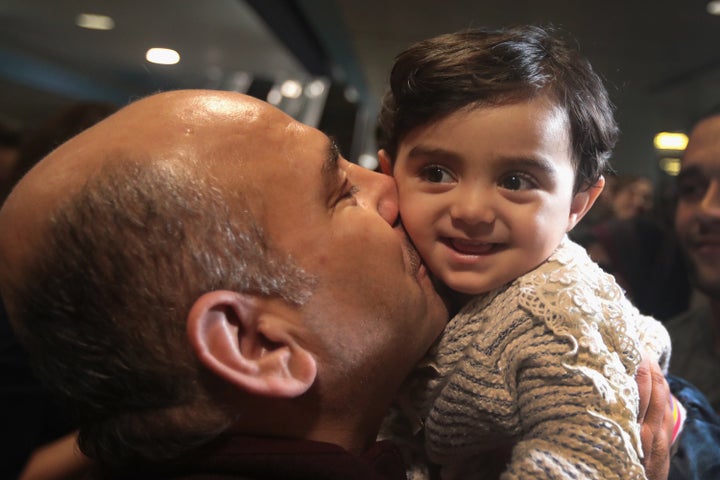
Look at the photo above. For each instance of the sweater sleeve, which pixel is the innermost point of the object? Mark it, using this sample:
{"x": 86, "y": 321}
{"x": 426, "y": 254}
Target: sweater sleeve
{"x": 578, "y": 406}
{"x": 573, "y": 424}
{"x": 655, "y": 339}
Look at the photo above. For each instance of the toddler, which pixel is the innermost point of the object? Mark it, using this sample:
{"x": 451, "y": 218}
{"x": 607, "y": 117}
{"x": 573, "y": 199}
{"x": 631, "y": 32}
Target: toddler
{"x": 498, "y": 140}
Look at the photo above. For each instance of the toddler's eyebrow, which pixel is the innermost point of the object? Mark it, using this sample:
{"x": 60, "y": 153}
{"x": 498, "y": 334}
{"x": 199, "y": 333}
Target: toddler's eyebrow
{"x": 540, "y": 163}
{"x": 422, "y": 151}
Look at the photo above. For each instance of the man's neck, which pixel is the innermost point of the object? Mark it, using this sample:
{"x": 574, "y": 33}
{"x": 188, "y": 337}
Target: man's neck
{"x": 355, "y": 429}
{"x": 343, "y": 427}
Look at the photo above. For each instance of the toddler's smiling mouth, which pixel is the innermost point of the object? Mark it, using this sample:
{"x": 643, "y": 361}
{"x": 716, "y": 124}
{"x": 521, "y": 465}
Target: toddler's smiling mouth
{"x": 469, "y": 247}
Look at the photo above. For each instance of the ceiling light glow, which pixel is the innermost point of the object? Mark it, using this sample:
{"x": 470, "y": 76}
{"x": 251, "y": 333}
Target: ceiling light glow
{"x": 713, "y": 7}
{"x": 291, "y": 89}
{"x": 671, "y": 166}
{"x": 351, "y": 94}
{"x": 162, "y": 56}
{"x": 670, "y": 141}
{"x": 274, "y": 97}
{"x": 368, "y": 161}
{"x": 94, "y": 21}
{"x": 315, "y": 89}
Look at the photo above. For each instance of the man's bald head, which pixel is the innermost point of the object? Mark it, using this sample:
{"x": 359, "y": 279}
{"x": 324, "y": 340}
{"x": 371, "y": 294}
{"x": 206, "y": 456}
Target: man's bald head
{"x": 106, "y": 244}
{"x": 173, "y": 133}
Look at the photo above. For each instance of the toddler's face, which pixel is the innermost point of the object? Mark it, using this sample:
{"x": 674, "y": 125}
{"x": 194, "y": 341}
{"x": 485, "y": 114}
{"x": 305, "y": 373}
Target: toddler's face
{"x": 486, "y": 194}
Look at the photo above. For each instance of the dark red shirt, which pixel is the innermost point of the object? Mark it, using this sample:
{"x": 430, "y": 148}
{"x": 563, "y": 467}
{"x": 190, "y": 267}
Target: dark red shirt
{"x": 239, "y": 457}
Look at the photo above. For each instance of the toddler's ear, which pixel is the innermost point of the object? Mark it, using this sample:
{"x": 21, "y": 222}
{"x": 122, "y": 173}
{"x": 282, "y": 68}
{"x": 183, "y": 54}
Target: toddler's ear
{"x": 582, "y": 201}
{"x": 385, "y": 163}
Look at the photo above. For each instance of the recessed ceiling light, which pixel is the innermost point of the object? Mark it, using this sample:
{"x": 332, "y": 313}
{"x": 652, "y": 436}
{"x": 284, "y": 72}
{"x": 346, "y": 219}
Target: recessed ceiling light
{"x": 94, "y": 21}
{"x": 368, "y": 161}
{"x": 670, "y": 141}
{"x": 713, "y": 7}
{"x": 291, "y": 89}
{"x": 162, "y": 56}
{"x": 315, "y": 88}
{"x": 274, "y": 97}
{"x": 351, "y": 94}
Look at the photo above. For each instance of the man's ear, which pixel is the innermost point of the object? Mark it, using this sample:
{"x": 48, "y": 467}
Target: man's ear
{"x": 246, "y": 341}
{"x": 582, "y": 201}
{"x": 385, "y": 162}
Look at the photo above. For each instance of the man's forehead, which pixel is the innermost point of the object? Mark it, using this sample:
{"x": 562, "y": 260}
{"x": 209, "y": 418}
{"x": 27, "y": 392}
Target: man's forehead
{"x": 704, "y": 145}
{"x": 706, "y": 133}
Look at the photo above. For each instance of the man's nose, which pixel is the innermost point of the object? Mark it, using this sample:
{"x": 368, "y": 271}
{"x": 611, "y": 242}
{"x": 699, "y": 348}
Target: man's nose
{"x": 377, "y": 191}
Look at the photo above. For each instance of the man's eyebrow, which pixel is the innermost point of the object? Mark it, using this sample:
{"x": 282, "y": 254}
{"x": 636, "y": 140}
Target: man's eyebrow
{"x": 329, "y": 169}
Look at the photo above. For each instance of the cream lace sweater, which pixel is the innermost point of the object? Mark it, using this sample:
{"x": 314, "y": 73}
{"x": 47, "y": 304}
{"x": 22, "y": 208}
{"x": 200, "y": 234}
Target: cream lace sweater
{"x": 544, "y": 367}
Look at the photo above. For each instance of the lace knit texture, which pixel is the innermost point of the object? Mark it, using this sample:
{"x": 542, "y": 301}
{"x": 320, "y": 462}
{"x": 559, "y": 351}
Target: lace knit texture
{"x": 545, "y": 366}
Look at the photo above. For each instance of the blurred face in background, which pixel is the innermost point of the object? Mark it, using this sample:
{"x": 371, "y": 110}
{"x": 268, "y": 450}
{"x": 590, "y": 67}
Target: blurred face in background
{"x": 633, "y": 199}
{"x": 697, "y": 218}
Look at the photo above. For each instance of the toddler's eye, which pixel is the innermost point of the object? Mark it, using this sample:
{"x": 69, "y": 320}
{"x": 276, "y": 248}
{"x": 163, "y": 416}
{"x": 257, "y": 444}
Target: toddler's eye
{"x": 516, "y": 181}
{"x": 435, "y": 174}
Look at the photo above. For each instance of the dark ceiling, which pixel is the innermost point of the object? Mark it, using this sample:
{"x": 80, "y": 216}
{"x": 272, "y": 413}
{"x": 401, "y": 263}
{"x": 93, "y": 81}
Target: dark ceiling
{"x": 660, "y": 58}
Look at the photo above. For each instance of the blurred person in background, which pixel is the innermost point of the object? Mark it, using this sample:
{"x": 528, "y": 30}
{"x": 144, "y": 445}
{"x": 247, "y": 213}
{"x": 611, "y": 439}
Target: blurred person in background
{"x": 631, "y": 196}
{"x": 695, "y": 334}
{"x": 639, "y": 248}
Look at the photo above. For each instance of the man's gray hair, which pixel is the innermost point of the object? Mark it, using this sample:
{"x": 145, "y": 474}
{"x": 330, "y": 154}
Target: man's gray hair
{"x": 104, "y": 306}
